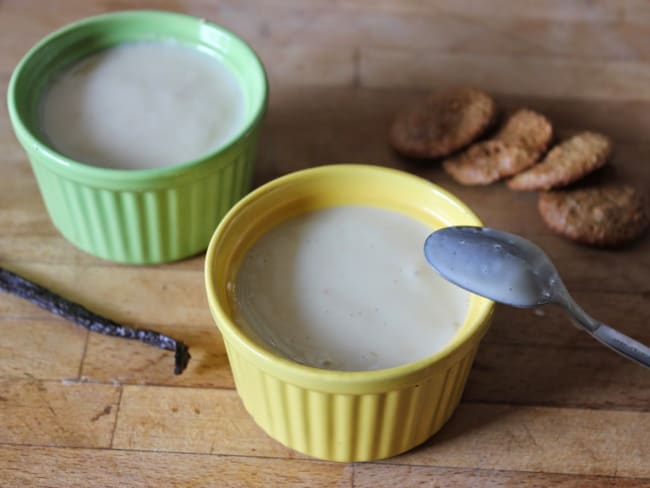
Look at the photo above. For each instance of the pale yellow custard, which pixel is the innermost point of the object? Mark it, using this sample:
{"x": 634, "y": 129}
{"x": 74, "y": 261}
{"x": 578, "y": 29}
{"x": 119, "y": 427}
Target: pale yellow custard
{"x": 347, "y": 288}
{"x": 142, "y": 105}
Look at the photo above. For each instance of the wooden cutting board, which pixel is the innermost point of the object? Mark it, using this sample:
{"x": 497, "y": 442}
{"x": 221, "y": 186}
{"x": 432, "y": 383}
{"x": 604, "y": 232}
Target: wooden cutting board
{"x": 545, "y": 404}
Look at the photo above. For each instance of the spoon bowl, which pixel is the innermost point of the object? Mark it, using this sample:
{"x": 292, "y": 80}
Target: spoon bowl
{"x": 512, "y": 270}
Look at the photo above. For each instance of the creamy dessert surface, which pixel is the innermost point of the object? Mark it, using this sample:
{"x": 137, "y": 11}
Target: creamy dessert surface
{"x": 142, "y": 105}
{"x": 347, "y": 288}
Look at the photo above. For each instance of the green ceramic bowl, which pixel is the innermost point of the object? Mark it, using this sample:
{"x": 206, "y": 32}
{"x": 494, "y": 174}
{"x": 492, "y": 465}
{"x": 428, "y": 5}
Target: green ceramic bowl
{"x": 149, "y": 215}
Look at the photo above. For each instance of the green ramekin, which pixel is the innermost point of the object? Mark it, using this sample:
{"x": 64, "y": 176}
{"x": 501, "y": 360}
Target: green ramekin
{"x": 138, "y": 216}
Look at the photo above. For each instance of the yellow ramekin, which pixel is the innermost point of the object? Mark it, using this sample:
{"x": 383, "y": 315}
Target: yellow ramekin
{"x": 341, "y": 415}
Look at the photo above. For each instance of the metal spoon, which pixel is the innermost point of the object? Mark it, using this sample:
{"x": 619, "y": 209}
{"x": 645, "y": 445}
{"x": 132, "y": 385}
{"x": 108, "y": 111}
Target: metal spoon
{"x": 510, "y": 269}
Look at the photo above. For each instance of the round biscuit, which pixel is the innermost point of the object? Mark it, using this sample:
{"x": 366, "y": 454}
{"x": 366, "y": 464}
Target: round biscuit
{"x": 607, "y": 215}
{"x": 565, "y": 163}
{"x": 486, "y": 162}
{"x": 442, "y": 123}
{"x": 527, "y": 129}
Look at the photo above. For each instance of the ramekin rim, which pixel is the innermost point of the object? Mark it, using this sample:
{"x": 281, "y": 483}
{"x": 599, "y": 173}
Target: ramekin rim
{"x": 66, "y": 165}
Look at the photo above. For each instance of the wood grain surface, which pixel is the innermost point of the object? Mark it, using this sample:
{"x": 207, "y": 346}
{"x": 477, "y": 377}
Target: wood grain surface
{"x": 545, "y": 404}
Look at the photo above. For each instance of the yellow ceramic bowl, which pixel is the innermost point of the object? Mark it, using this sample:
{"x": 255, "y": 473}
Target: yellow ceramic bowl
{"x": 341, "y": 415}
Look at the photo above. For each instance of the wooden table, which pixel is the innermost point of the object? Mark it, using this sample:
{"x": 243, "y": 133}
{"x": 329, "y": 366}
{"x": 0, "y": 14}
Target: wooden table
{"x": 545, "y": 404}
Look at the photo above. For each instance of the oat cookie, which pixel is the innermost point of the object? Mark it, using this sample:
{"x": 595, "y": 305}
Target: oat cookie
{"x": 606, "y": 215}
{"x": 442, "y": 123}
{"x": 529, "y": 130}
{"x": 565, "y": 163}
{"x": 486, "y": 162}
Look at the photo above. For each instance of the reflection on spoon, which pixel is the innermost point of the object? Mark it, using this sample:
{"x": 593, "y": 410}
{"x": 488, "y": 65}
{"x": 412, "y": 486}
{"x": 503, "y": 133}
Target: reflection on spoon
{"x": 510, "y": 269}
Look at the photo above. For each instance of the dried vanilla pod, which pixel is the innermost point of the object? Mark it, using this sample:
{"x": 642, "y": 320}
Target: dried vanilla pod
{"x": 50, "y": 301}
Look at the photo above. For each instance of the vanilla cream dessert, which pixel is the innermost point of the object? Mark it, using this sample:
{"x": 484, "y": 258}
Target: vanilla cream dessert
{"x": 142, "y": 105}
{"x": 347, "y": 288}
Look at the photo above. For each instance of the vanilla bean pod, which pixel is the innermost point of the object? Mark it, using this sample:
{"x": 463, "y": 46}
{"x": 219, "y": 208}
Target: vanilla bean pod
{"x": 44, "y": 298}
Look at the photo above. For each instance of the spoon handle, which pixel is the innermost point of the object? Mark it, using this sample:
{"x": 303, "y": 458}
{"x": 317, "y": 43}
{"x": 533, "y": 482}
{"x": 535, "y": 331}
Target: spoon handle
{"x": 622, "y": 344}
{"x": 619, "y": 342}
